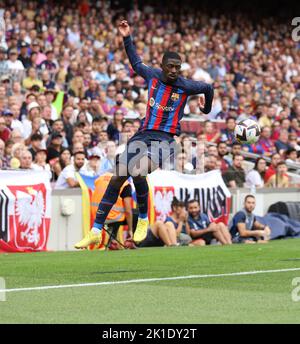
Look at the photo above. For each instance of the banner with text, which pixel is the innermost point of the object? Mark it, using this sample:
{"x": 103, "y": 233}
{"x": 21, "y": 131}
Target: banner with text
{"x": 207, "y": 188}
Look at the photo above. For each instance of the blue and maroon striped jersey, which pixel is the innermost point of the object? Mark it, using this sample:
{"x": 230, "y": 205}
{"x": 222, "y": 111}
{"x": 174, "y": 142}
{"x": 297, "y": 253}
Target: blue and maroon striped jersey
{"x": 165, "y": 102}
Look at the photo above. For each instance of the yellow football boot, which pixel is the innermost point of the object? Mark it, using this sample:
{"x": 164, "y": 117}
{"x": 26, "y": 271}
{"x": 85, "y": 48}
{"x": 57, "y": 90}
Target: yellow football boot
{"x": 141, "y": 230}
{"x": 90, "y": 238}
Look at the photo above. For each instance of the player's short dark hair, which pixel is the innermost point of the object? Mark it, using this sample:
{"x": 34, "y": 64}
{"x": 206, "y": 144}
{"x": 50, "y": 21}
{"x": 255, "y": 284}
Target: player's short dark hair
{"x": 248, "y": 196}
{"x": 236, "y": 144}
{"x": 170, "y": 55}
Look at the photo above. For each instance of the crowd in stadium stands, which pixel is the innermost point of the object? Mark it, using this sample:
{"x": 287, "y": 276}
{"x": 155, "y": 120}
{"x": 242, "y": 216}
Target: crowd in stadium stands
{"x": 69, "y": 99}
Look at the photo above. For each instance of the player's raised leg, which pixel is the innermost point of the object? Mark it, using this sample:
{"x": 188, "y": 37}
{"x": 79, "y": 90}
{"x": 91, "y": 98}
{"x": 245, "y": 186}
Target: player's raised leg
{"x": 139, "y": 172}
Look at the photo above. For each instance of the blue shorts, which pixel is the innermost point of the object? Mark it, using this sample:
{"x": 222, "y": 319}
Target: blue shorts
{"x": 158, "y": 146}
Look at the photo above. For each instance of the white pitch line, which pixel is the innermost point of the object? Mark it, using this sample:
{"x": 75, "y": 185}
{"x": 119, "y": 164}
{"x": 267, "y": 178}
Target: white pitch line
{"x": 146, "y": 280}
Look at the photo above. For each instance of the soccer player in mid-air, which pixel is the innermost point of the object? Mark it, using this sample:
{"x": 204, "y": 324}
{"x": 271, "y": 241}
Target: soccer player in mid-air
{"x": 167, "y": 96}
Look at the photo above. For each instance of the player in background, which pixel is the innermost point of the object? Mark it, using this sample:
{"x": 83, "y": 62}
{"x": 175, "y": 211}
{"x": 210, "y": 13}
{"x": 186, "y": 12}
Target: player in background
{"x": 167, "y": 96}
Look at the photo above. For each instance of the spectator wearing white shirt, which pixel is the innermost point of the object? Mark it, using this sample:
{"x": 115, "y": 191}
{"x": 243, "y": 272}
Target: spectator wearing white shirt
{"x": 3, "y": 61}
{"x": 200, "y": 74}
{"x": 67, "y": 178}
{"x": 13, "y": 119}
{"x": 40, "y": 163}
{"x": 291, "y": 156}
{"x": 74, "y": 35}
{"x": 13, "y": 63}
{"x": 83, "y": 108}
{"x": 91, "y": 169}
{"x": 34, "y": 123}
{"x": 16, "y": 136}
{"x": 255, "y": 178}
{"x": 26, "y": 160}
{"x": 108, "y": 163}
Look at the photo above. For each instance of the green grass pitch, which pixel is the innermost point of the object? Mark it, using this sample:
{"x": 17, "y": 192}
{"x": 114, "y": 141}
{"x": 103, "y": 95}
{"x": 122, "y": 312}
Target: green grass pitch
{"x": 261, "y": 298}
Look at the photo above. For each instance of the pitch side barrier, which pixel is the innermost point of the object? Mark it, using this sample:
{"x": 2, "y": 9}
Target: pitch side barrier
{"x": 67, "y": 217}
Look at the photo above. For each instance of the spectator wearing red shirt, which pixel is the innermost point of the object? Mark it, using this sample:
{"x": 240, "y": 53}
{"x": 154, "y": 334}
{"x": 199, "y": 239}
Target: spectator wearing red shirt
{"x": 272, "y": 168}
{"x": 222, "y": 151}
{"x": 264, "y": 145}
{"x": 4, "y": 131}
{"x": 84, "y": 8}
{"x": 275, "y": 131}
{"x": 210, "y": 134}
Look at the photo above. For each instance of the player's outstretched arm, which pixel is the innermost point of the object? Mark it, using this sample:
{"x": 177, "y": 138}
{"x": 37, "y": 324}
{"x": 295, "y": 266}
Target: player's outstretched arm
{"x": 135, "y": 60}
{"x": 205, "y": 103}
{"x": 199, "y": 87}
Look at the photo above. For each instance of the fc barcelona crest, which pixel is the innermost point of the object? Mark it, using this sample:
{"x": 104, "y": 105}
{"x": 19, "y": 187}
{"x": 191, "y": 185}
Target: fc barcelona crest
{"x": 175, "y": 97}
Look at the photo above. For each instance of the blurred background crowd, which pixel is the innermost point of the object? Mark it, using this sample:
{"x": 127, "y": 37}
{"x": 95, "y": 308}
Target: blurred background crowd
{"x": 69, "y": 99}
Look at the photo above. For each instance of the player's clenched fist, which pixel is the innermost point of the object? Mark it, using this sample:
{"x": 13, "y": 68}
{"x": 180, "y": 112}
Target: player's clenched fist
{"x": 124, "y": 28}
{"x": 201, "y": 102}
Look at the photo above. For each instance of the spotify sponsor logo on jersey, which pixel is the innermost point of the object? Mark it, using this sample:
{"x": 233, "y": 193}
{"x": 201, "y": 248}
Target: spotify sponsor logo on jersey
{"x": 155, "y": 105}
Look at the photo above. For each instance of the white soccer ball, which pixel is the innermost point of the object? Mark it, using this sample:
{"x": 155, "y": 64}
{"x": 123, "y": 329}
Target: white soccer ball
{"x": 247, "y": 131}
